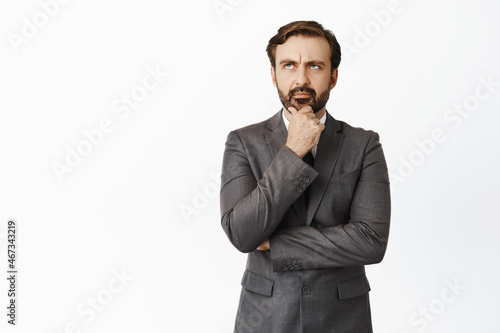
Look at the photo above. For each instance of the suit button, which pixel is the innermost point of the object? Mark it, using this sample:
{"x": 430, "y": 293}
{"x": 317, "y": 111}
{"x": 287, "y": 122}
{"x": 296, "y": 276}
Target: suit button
{"x": 306, "y": 180}
{"x": 306, "y": 290}
{"x": 303, "y": 185}
{"x": 290, "y": 267}
{"x": 285, "y": 267}
{"x": 296, "y": 266}
{"x": 299, "y": 189}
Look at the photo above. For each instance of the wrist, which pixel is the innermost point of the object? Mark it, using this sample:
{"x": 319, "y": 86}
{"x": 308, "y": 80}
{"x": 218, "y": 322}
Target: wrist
{"x": 297, "y": 152}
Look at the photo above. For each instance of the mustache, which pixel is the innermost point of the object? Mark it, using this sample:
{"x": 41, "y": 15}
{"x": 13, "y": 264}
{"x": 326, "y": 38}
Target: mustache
{"x": 301, "y": 90}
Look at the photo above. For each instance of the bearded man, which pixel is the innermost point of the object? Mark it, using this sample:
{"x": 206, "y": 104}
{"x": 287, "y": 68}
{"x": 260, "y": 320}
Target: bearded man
{"x": 307, "y": 197}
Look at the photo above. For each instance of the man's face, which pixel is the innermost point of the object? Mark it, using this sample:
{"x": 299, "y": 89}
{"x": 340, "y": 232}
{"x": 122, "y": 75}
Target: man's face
{"x": 303, "y": 73}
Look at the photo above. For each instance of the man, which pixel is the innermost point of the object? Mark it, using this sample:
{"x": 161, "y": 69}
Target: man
{"x": 307, "y": 197}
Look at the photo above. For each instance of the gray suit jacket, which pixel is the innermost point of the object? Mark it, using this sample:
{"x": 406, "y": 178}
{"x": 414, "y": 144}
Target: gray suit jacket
{"x": 313, "y": 277}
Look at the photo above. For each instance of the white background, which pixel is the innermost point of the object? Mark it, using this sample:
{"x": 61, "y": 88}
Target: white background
{"x": 144, "y": 200}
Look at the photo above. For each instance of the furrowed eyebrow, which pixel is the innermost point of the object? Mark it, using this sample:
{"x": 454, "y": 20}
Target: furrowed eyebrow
{"x": 287, "y": 61}
{"x": 312, "y": 62}
{"x": 316, "y": 62}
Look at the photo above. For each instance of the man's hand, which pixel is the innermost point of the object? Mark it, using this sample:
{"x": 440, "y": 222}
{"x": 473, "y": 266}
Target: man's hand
{"x": 304, "y": 130}
{"x": 264, "y": 246}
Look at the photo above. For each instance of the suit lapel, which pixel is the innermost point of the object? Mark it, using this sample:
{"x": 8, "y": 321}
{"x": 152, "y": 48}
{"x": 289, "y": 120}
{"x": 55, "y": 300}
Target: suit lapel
{"x": 327, "y": 154}
{"x": 276, "y": 137}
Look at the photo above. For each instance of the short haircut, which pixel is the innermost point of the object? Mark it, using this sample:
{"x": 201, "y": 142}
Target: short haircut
{"x": 304, "y": 28}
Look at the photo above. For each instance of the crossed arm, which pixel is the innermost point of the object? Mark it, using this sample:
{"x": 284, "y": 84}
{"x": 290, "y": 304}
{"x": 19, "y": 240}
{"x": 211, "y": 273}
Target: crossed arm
{"x": 252, "y": 209}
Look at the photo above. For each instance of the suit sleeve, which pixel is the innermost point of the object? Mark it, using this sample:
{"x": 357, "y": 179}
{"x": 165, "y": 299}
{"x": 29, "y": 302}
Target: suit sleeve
{"x": 361, "y": 241}
{"x": 251, "y": 209}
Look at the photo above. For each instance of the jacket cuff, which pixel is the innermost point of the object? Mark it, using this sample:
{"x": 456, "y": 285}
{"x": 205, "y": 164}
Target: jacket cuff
{"x": 295, "y": 170}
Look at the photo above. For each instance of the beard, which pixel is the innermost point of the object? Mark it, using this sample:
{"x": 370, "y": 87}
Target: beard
{"x": 315, "y": 102}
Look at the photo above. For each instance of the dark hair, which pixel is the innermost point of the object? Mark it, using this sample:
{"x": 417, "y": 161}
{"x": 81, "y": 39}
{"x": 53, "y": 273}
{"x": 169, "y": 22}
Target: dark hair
{"x": 305, "y": 28}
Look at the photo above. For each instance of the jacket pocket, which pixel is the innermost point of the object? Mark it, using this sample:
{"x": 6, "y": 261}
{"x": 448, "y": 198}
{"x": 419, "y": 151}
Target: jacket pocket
{"x": 345, "y": 176}
{"x": 353, "y": 287}
{"x": 256, "y": 283}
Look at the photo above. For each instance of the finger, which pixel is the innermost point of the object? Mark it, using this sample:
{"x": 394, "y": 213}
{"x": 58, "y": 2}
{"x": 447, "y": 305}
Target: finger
{"x": 292, "y": 110}
{"x": 309, "y": 116}
{"x": 306, "y": 109}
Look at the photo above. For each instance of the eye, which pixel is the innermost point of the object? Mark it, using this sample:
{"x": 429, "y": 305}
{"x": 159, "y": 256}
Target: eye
{"x": 315, "y": 66}
{"x": 288, "y": 66}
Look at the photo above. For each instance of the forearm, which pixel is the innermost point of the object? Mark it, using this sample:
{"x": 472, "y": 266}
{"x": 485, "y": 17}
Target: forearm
{"x": 252, "y": 210}
{"x": 361, "y": 241}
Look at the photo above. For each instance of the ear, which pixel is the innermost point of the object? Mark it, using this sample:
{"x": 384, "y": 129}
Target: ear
{"x": 334, "y": 77}
{"x": 273, "y": 76}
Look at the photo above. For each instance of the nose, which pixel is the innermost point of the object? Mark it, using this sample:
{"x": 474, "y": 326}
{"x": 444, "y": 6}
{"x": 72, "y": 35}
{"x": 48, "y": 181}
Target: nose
{"x": 302, "y": 78}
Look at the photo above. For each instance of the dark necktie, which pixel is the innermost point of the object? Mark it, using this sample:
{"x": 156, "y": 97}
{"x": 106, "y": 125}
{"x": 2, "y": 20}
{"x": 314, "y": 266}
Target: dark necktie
{"x": 309, "y": 159}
